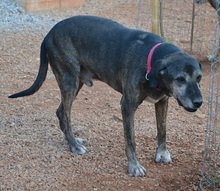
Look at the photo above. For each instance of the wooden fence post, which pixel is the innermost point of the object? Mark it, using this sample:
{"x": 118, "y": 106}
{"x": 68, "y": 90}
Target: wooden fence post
{"x": 155, "y": 4}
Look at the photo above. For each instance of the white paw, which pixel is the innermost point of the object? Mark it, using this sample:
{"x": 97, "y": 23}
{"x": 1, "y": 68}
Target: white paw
{"x": 163, "y": 155}
{"x": 78, "y": 148}
{"x": 80, "y": 140}
{"x": 136, "y": 169}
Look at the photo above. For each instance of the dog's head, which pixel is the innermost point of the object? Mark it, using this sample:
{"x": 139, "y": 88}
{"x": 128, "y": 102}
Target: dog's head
{"x": 179, "y": 75}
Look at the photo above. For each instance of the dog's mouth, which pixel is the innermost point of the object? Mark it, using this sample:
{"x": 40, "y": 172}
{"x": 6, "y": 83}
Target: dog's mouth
{"x": 186, "y": 108}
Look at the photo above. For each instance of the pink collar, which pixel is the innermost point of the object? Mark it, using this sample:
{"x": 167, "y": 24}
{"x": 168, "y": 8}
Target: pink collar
{"x": 149, "y": 59}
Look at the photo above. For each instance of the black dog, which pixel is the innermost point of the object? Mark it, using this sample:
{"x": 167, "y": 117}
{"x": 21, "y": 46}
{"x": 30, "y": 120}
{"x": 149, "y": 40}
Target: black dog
{"x": 83, "y": 48}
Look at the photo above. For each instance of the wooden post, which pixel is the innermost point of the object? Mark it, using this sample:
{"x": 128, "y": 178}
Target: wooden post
{"x": 192, "y": 27}
{"x": 155, "y": 16}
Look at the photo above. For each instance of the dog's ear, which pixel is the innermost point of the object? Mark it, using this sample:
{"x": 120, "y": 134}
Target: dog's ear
{"x": 153, "y": 79}
{"x": 155, "y": 76}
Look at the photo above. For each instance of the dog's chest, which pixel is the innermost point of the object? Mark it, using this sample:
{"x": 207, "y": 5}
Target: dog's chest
{"x": 153, "y": 99}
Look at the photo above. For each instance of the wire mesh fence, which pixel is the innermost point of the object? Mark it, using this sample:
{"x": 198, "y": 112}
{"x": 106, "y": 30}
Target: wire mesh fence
{"x": 185, "y": 23}
{"x": 211, "y": 161}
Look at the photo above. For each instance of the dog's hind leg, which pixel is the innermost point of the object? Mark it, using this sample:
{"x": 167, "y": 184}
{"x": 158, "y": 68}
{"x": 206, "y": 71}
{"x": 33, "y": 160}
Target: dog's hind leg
{"x": 69, "y": 88}
{"x": 162, "y": 153}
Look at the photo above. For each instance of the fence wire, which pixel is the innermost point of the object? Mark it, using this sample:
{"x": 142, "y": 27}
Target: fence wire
{"x": 186, "y": 24}
{"x": 211, "y": 161}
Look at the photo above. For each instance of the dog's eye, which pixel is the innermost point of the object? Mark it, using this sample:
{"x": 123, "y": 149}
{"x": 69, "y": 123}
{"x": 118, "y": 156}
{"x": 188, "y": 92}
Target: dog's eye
{"x": 198, "y": 79}
{"x": 180, "y": 79}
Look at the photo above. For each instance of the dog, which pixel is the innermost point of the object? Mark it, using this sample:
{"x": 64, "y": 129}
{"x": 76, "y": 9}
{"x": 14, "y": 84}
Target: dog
{"x": 138, "y": 64}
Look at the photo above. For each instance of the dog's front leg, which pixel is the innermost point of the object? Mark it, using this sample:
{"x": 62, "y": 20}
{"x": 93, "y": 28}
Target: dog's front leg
{"x": 128, "y": 109}
{"x": 162, "y": 153}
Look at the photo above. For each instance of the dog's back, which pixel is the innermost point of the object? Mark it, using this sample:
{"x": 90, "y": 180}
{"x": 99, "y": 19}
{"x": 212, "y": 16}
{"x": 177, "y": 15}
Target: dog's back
{"x": 99, "y": 45}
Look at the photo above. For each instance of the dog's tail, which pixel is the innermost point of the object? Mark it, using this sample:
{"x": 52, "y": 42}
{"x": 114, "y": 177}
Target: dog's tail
{"x": 40, "y": 77}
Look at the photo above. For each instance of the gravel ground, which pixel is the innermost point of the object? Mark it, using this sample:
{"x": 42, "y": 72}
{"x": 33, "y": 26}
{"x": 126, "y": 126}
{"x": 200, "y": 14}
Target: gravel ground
{"x": 15, "y": 19}
{"x": 34, "y": 155}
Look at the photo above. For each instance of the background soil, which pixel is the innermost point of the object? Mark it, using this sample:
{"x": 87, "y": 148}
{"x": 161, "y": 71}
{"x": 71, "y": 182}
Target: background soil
{"x": 33, "y": 153}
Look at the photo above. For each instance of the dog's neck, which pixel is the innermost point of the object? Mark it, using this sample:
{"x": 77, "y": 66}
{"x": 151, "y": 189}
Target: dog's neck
{"x": 163, "y": 51}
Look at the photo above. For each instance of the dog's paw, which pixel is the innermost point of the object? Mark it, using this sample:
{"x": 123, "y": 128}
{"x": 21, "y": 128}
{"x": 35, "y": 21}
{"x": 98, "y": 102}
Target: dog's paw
{"x": 80, "y": 140}
{"x": 163, "y": 155}
{"x": 136, "y": 170}
{"x": 79, "y": 148}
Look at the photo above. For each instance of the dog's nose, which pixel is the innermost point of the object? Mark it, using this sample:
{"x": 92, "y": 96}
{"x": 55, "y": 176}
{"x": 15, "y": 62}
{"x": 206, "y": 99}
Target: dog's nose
{"x": 197, "y": 104}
